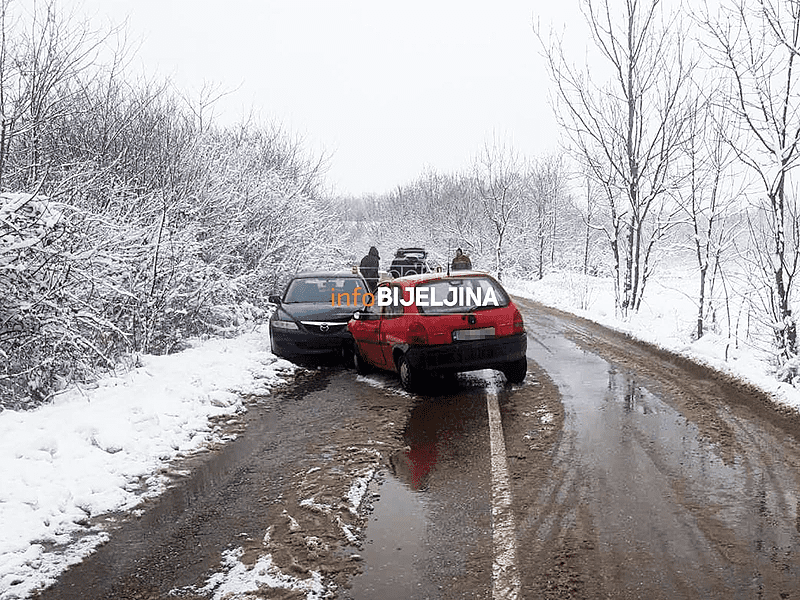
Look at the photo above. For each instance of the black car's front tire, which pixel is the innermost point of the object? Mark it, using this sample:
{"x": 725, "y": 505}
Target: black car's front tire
{"x": 347, "y": 355}
{"x": 515, "y": 371}
{"x": 362, "y": 366}
{"x": 273, "y": 347}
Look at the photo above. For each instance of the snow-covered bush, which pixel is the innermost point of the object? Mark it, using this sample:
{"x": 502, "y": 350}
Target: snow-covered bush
{"x": 37, "y": 330}
{"x": 136, "y": 255}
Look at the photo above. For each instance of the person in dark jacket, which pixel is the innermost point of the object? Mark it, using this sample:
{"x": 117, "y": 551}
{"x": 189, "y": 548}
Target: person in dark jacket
{"x": 461, "y": 262}
{"x": 369, "y": 268}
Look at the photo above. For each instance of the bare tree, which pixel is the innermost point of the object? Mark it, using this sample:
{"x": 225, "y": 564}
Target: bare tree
{"x": 627, "y": 132}
{"x": 39, "y": 68}
{"x": 546, "y": 184}
{"x": 589, "y": 226}
{"x": 709, "y": 195}
{"x": 501, "y": 192}
{"x": 757, "y": 43}
{"x": 451, "y": 203}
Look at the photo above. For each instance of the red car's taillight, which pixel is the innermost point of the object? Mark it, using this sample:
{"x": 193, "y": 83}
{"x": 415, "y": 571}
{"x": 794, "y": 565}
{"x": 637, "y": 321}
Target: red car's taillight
{"x": 519, "y": 324}
{"x": 417, "y": 333}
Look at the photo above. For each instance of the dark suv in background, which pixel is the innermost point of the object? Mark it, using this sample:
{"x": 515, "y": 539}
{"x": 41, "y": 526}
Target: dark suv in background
{"x": 409, "y": 261}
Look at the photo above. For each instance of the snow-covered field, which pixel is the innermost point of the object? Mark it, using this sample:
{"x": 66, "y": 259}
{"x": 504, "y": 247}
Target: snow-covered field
{"x": 98, "y": 450}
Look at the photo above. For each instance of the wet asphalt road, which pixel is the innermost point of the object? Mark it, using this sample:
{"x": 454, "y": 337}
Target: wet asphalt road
{"x": 632, "y": 475}
{"x": 667, "y": 482}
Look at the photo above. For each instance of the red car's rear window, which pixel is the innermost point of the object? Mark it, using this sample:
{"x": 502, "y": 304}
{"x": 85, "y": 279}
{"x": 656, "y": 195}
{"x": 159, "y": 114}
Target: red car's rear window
{"x": 461, "y": 294}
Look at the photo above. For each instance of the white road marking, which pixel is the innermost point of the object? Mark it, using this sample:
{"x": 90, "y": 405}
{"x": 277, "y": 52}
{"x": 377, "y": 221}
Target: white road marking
{"x": 505, "y": 574}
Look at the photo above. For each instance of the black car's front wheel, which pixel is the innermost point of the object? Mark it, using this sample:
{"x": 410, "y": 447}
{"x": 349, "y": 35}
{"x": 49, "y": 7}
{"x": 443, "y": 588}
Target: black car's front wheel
{"x": 362, "y": 367}
{"x": 347, "y": 355}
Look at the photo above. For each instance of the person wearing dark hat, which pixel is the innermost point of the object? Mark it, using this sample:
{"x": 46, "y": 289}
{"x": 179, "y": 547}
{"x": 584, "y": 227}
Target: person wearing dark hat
{"x": 461, "y": 262}
{"x": 369, "y": 268}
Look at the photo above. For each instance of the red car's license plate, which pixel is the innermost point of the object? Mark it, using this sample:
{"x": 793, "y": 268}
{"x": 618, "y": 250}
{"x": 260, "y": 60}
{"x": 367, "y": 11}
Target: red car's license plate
{"x": 473, "y": 334}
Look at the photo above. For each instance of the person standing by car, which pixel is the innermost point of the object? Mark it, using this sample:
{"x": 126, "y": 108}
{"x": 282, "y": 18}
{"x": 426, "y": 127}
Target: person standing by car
{"x": 369, "y": 268}
{"x": 461, "y": 262}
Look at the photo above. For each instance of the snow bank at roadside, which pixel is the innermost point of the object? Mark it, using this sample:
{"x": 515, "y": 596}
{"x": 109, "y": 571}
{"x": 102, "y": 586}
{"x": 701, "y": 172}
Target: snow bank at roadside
{"x": 667, "y": 319}
{"x": 98, "y": 450}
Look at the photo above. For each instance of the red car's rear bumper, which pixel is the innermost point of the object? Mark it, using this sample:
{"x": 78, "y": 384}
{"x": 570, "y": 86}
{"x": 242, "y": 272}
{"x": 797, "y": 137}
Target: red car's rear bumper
{"x": 469, "y": 355}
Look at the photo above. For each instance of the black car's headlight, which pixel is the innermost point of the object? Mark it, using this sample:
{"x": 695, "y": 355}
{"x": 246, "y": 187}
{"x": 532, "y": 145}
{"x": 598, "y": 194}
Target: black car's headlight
{"x": 289, "y": 325}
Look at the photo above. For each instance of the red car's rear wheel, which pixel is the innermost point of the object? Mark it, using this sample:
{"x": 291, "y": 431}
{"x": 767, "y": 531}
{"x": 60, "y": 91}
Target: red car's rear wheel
{"x": 515, "y": 371}
{"x": 410, "y": 377}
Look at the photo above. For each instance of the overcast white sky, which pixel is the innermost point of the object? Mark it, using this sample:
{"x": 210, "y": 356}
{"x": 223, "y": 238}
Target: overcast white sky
{"x": 386, "y": 88}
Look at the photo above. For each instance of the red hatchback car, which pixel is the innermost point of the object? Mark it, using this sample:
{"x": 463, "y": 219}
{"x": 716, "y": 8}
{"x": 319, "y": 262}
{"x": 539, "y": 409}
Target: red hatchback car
{"x": 422, "y": 325}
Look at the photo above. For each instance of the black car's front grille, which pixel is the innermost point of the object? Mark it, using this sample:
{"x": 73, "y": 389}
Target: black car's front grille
{"x": 324, "y": 327}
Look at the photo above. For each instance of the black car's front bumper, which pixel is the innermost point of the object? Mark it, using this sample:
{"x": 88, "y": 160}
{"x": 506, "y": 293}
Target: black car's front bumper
{"x": 468, "y": 355}
{"x": 305, "y": 342}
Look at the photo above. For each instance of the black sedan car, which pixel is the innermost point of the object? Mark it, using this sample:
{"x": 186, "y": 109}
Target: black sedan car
{"x": 312, "y": 314}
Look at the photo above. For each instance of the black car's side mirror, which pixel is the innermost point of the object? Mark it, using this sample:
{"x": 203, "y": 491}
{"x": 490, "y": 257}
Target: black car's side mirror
{"x": 274, "y": 299}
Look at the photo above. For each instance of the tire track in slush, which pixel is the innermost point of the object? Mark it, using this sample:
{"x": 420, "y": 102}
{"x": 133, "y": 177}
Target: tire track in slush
{"x": 505, "y": 573}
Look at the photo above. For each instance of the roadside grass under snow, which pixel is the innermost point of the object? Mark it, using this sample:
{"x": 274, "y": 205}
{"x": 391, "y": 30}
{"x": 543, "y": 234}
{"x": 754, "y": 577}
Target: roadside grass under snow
{"x": 98, "y": 450}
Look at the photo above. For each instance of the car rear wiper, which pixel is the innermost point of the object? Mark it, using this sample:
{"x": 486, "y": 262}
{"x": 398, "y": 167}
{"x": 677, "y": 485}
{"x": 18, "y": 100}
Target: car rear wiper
{"x": 479, "y": 307}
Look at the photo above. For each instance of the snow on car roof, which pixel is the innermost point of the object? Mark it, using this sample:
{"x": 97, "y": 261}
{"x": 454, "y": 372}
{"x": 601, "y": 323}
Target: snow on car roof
{"x": 419, "y": 253}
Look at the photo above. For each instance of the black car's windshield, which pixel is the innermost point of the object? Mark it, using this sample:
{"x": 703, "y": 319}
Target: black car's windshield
{"x": 322, "y": 289}
{"x": 459, "y": 295}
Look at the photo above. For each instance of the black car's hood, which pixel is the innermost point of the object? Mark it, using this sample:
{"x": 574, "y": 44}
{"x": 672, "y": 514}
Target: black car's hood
{"x": 314, "y": 311}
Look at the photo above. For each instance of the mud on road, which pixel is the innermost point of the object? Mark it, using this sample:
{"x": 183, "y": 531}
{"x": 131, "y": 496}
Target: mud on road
{"x": 288, "y": 487}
